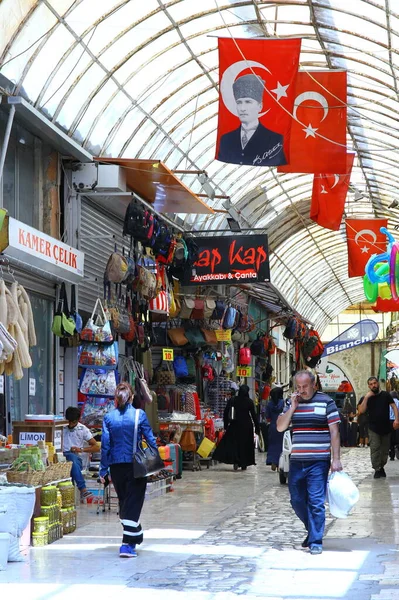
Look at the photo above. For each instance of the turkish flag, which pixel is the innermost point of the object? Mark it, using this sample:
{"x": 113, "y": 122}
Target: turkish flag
{"x": 329, "y": 195}
{"x": 256, "y": 99}
{"x": 318, "y": 133}
{"x": 364, "y": 239}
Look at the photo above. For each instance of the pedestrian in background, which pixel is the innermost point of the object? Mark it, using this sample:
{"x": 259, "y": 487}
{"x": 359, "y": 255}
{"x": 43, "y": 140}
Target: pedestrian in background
{"x": 315, "y": 431}
{"x": 377, "y": 402}
{"x": 363, "y": 423}
{"x": 394, "y": 446}
{"x": 117, "y": 458}
{"x": 274, "y": 408}
{"x": 237, "y": 445}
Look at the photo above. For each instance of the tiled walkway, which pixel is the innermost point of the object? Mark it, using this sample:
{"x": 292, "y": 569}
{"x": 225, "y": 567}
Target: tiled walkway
{"x": 224, "y": 534}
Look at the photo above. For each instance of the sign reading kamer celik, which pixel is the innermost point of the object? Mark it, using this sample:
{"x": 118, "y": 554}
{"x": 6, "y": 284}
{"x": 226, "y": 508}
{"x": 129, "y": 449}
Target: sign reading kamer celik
{"x": 230, "y": 260}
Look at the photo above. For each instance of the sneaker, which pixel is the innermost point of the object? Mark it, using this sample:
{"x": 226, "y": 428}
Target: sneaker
{"x": 126, "y": 551}
{"x": 377, "y": 474}
{"x": 86, "y": 495}
{"x": 316, "y": 549}
{"x": 305, "y": 543}
{"x": 382, "y": 472}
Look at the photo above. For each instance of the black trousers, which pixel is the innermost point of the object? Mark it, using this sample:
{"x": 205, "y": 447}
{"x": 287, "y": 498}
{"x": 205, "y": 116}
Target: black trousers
{"x": 131, "y": 494}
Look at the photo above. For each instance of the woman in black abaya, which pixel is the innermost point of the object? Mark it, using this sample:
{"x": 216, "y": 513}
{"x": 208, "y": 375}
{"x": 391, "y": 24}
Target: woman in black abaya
{"x": 237, "y": 445}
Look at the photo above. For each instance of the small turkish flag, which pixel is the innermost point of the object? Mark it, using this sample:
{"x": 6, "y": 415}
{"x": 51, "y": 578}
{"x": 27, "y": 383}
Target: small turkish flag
{"x": 318, "y": 132}
{"x": 364, "y": 239}
{"x": 329, "y": 195}
{"x": 256, "y": 100}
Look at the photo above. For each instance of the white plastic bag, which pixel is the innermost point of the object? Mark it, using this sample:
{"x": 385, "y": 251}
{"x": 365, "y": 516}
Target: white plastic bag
{"x": 342, "y": 494}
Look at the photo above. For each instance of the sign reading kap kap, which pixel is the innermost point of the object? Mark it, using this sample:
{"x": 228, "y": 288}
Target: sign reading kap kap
{"x": 230, "y": 260}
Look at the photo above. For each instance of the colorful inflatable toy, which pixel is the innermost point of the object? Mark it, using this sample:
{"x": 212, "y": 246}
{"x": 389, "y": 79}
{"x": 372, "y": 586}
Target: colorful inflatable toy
{"x": 381, "y": 279}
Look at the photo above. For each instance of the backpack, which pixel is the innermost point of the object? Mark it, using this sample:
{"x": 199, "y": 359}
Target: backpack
{"x": 207, "y": 373}
{"x": 138, "y": 223}
{"x": 180, "y": 366}
{"x": 116, "y": 269}
{"x": 313, "y": 357}
{"x": 219, "y": 310}
{"x": 229, "y": 318}
{"x": 162, "y": 240}
{"x": 244, "y": 356}
{"x": 291, "y": 329}
{"x": 258, "y": 347}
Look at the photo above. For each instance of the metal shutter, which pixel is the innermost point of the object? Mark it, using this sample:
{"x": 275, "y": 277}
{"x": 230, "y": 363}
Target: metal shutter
{"x": 99, "y": 232}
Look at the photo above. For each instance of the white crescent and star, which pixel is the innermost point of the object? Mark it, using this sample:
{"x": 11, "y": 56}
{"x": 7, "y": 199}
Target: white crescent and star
{"x": 336, "y": 180}
{"x": 310, "y": 130}
{"x": 362, "y": 233}
{"x": 231, "y": 74}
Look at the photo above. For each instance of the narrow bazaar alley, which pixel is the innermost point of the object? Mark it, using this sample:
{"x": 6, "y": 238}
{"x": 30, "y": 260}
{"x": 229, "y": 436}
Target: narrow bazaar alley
{"x": 226, "y": 534}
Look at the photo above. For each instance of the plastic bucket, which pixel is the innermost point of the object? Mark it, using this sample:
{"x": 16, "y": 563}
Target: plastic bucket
{"x": 4, "y": 547}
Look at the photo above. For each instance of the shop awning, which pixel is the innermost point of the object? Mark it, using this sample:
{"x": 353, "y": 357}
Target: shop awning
{"x": 155, "y": 183}
{"x": 268, "y": 296}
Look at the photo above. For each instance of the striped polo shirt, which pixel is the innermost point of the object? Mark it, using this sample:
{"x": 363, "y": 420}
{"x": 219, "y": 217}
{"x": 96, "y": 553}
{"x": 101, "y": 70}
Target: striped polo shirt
{"x": 310, "y": 428}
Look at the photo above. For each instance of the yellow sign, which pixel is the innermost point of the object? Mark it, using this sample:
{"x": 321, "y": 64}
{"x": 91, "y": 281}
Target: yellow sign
{"x": 167, "y": 354}
{"x": 244, "y": 372}
{"x": 223, "y": 335}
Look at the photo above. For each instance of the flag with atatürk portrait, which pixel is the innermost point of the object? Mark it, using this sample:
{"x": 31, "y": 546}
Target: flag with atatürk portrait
{"x": 329, "y": 195}
{"x": 318, "y": 134}
{"x": 256, "y": 99}
{"x": 364, "y": 239}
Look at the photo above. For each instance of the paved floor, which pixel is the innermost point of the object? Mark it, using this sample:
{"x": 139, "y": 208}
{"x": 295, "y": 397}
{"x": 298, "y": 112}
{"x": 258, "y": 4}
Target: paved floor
{"x": 224, "y": 534}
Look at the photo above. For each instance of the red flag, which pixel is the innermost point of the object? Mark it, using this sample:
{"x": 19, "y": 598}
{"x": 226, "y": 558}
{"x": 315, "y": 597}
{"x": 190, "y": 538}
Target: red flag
{"x": 256, "y": 84}
{"x": 329, "y": 195}
{"x": 320, "y": 110}
{"x": 364, "y": 239}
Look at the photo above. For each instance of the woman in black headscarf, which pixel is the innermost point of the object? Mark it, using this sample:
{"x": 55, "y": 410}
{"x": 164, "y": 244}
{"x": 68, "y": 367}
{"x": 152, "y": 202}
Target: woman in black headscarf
{"x": 274, "y": 408}
{"x": 237, "y": 445}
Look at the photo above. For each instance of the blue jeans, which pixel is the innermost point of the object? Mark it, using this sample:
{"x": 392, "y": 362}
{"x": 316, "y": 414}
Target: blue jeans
{"x": 308, "y": 484}
{"x": 76, "y": 469}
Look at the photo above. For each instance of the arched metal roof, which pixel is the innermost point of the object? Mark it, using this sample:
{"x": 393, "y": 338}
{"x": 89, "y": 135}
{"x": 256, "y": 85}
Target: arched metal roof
{"x": 139, "y": 78}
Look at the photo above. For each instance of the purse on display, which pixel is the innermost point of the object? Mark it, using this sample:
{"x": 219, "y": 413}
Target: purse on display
{"x": 99, "y": 355}
{"x": 146, "y": 460}
{"x": 97, "y": 329}
{"x": 210, "y": 336}
{"x": 98, "y": 382}
{"x": 159, "y": 336}
{"x": 195, "y": 336}
{"x": 142, "y": 390}
{"x": 74, "y": 311}
{"x": 145, "y": 283}
{"x": 187, "y": 441}
{"x": 209, "y": 308}
{"x": 165, "y": 375}
{"x": 130, "y": 336}
{"x": 187, "y": 307}
{"x": 198, "y": 312}
{"x": 116, "y": 269}
{"x": 177, "y": 336}
{"x": 63, "y": 324}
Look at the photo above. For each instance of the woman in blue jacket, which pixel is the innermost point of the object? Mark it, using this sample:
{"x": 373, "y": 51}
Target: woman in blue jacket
{"x": 117, "y": 457}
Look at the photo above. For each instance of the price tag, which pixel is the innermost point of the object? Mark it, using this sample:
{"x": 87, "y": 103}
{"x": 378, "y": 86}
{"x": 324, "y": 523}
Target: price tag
{"x": 167, "y": 354}
{"x": 223, "y": 335}
{"x": 32, "y": 386}
{"x": 244, "y": 372}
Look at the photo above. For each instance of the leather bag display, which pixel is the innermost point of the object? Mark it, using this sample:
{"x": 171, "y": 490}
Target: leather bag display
{"x": 63, "y": 324}
{"x": 177, "y": 336}
{"x": 187, "y": 307}
{"x": 146, "y": 460}
{"x": 165, "y": 375}
{"x": 187, "y": 441}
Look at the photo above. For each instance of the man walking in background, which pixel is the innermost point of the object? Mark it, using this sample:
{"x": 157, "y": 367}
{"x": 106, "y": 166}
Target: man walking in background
{"x": 377, "y": 403}
{"x": 315, "y": 431}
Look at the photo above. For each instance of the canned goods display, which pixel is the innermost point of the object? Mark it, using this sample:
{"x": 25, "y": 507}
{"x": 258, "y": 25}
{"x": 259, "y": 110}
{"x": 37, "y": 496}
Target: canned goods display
{"x": 41, "y": 524}
{"x": 39, "y": 539}
{"x": 48, "y": 495}
{"x": 67, "y": 493}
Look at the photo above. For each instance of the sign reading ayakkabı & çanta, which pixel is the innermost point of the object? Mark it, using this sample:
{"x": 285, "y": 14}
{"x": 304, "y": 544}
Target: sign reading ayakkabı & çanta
{"x": 43, "y": 251}
{"x": 230, "y": 260}
{"x": 361, "y": 333}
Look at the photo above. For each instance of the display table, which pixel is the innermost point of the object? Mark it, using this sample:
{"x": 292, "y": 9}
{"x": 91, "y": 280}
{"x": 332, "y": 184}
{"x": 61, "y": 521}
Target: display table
{"x": 31, "y": 432}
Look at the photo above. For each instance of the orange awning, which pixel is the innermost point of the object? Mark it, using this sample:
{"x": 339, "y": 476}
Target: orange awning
{"x": 155, "y": 183}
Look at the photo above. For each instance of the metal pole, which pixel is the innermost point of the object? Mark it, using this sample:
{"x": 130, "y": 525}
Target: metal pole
{"x": 5, "y": 143}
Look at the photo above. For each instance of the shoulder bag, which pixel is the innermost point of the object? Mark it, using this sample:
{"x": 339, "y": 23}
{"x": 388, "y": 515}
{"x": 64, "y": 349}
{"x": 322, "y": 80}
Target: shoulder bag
{"x": 99, "y": 329}
{"x": 146, "y": 461}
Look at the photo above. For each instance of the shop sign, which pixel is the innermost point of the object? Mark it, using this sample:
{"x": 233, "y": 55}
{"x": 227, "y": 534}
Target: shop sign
{"x": 330, "y": 375}
{"x": 230, "y": 260}
{"x": 42, "y": 251}
{"x": 361, "y": 333}
{"x": 244, "y": 372}
{"x": 167, "y": 354}
{"x": 57, "y": 439}
{"x": 31, "y": 437}
{"x": 223, "y": 335}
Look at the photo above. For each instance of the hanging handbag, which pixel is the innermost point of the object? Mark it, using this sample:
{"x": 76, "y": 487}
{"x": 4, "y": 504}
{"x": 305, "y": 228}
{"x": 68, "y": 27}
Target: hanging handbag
{"x": 130, "y": 336}
{"x": 116, "y": 269}
{"x": 146, "y": 460}
{"x": 63, "y": 324}
{"x": 198, "y": 310}
{"x": 74, "y": 311}
{"x": 177, "y": 336}
{"x": 98, "y": 355}
{"x": 165, "y": 375}
{"x": 98, "y": 382}
{"x": 142, "y": 390}
{"x": 187, "y": 441}
{"x": 99, "y": 329}
{"x": 209, "y": 308}
{"x": 187, "y": 307}
{"x": 160, "y": 304}
{"x": 210, "y": 336}
{"x": 195, "y": 337}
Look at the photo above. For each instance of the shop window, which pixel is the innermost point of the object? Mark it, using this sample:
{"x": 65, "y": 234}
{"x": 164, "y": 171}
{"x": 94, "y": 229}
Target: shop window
{"x": 34, "y": 394}
{"x": 21, "y": 174}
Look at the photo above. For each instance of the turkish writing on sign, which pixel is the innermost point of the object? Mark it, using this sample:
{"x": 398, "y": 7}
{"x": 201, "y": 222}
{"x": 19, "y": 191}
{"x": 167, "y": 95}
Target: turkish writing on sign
{"x": 31, "y": 437}
{"x": 44, "y": 251}
{"x": 230, "y": 260}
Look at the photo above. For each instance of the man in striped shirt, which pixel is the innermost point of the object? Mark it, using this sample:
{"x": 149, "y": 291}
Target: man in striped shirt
{"x": 315, "y": 431}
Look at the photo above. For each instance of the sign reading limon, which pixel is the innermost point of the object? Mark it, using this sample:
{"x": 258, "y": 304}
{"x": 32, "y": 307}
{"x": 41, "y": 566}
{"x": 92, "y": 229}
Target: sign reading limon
{"x": 167, "y": 354}
{"x": 41, "y": 251}
{"x": 244, "y": 372}
{"x": 223, "y": 335}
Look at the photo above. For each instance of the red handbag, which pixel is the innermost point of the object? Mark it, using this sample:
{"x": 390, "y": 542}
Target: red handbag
{"x": 244, "y": 357}
{"x": 198, "y": 311}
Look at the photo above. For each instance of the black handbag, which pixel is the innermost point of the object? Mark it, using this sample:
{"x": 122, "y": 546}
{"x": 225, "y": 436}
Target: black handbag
{"x": 146, "y": 461}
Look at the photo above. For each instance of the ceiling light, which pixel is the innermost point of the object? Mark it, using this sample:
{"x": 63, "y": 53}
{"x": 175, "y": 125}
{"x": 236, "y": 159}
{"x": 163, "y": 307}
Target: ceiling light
{"x": 234, "y": 225}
